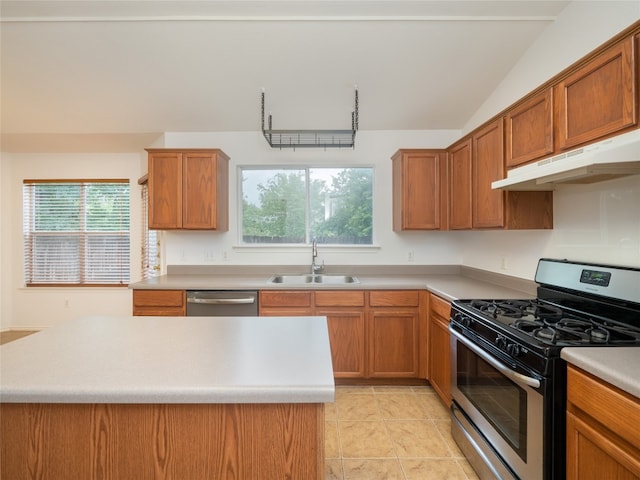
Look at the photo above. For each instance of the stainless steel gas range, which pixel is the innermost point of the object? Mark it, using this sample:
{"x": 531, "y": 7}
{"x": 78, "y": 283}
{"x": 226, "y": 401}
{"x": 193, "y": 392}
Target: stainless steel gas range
{"x": 508, "y": 382}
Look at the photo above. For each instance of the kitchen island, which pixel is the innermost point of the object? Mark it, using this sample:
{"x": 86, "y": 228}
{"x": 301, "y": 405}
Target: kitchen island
{"x": 167, "y": 397}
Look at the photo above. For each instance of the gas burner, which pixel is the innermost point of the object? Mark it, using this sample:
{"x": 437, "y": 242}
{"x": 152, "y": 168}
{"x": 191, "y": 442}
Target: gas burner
{"x": 546, "y": 333}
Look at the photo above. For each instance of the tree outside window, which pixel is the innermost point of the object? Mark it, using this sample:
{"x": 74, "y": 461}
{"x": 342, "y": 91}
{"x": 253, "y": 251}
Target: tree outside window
{"x": 294, "y": 205}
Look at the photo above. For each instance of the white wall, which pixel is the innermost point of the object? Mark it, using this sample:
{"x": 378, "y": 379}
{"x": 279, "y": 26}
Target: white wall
{"x": 372, "y": 149}
{"x": 39, "y": 307}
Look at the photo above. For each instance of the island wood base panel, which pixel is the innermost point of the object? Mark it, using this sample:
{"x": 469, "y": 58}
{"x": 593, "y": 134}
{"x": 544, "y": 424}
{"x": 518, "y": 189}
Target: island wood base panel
{"x": 162, "y": 441}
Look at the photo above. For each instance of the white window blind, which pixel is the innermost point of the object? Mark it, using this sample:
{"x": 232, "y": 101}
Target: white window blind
{"x": 150, "y": 240}
{"x": 76, "y": 232}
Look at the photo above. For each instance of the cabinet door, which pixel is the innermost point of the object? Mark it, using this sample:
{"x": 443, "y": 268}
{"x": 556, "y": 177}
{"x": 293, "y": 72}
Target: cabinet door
{"x": 199, "y": 190}
{"x": 418, "y": 190}
{"x": 347, "y": 339}
{"x": 439, "y": 348}
{"x": 598, "y": 99}
{"x": 393, "y": 342}
{"x": 159, "y": 303}
{"x": 460, "y": 211}
{"x": 488, "y": 166}
{"x": 593, "y": 456}
{"x": 529, "y": 129}
{"x": 165, "y": 190}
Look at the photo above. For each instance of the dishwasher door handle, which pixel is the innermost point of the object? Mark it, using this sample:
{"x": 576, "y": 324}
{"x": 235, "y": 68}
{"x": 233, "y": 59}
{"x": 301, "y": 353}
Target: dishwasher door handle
{"x": 222, "y": 301}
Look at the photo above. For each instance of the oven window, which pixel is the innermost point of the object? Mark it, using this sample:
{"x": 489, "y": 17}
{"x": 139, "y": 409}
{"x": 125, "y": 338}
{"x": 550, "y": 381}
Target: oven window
{"x": 500, "y": 401}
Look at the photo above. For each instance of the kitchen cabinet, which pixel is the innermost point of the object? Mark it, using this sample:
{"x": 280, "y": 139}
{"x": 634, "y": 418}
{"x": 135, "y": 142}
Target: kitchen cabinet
{"x": 439, "y": 347}
{"x": 460, "y": 200}
{"x": 419, "y": 190}
{"x": 295, "y": 303}
{"x": 160, "y": 303}
{"x": 188, "y": 189}
{"x": 474, "y": 163}
{"x": 529, "y": 129}
{"x": 373, "y": 334}
{"x": 599, "y": 98}
{"x": 394, "y": 326}
{"x": 345, "y": 312}
{"x": 603, "y": 440}
{"x": 487, "y": 160}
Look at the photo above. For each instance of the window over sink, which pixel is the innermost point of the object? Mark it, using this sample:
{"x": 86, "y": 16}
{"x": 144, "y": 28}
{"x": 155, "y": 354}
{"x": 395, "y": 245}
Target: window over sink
{"x": 293, "y": 205}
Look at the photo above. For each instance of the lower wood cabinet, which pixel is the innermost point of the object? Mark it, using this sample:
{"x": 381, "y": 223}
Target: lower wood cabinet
{"x": 373, "y": 334}
{"x": 171, "y": 303}
{"x": 439, "y": 347}
{"x": 603, "y": 439}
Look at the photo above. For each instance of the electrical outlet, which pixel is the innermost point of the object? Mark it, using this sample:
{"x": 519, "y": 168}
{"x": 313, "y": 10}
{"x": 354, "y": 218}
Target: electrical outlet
{"x": 504, "y": 263}
{"x": 411, "y": 256}
{"x": 225, "y": 257}
{"x": 66, "y": 303}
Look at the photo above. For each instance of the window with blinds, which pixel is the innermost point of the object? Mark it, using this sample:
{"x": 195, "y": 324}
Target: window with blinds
{"x": 150, "y": 241}
{"x": 76, "y": 232}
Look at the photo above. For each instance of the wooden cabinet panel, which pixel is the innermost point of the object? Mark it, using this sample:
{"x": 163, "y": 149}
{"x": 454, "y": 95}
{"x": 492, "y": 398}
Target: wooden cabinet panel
{"x": 159, "y": 303}
{"x": 205, "y": 191}
{"x": 603, "y": 441}
{"x": 460, "y": 185}
{"x": 286, "y": 298}
{"x": 439, "y": 348}
{"x": 599, "y": 98}
{"x": 488, "y": 166}
{"x": 343, "y": 298}
{"x": 419, "y": 190}
{"x": 188, "y": 189}
{"x": 394, "y": 298}
{"x": 162, "y": 441}
{"x": 165, "y": 190}
{"x": 393, "y": 343}
{"x": 529, "y": 129}
{"x": 347, "y": 339}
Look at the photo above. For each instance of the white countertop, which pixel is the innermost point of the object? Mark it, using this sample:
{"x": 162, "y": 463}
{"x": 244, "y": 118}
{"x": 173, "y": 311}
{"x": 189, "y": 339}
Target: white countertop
{"x": 171, "y": 360}
{"x": 449, "y": 286}
{"x": 619, "y": 366}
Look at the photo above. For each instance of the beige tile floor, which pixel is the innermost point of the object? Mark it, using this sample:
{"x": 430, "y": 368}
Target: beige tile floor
{"x": 390, "y": 433}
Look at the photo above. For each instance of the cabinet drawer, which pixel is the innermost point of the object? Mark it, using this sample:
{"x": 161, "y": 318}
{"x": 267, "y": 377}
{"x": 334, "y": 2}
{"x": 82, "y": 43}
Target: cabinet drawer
{"x": 285, "y": 298}
{"x": 331, "y": 298}
{"x": 394, "y": 298}
{"x": 439, "y": 306}
{"x": 158, "y": 298}
{"x": 605, "y": 403}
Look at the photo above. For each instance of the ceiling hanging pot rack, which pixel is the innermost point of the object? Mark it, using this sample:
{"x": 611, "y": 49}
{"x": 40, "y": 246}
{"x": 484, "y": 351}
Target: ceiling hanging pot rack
{"x": 311, "y": 138}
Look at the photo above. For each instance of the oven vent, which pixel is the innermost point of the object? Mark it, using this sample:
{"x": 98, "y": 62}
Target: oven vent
{"x": 611, "y": 158}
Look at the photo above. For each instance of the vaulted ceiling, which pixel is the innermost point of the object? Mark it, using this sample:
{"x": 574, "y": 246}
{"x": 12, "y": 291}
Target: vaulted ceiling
{"x": 137, "y": 67}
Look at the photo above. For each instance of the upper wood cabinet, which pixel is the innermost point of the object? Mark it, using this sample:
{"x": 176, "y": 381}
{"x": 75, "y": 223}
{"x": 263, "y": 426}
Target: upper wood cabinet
{"x": 188, "y": 189}
{"x": 460, "y": 196}
{"x": 599, "y": 98}
{"x": 487, "y": 154}
{"x": 474, "y": 163}
{"x": 419, "y": 190}
{"x": 529, "y": 129}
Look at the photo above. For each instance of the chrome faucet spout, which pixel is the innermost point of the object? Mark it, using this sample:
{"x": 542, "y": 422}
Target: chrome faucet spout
{"x": 315, "y": 268}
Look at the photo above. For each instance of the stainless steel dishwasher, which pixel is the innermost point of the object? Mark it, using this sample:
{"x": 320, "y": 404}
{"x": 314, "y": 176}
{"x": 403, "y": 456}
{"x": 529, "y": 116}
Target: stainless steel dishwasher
{"x": 221, "y": 303}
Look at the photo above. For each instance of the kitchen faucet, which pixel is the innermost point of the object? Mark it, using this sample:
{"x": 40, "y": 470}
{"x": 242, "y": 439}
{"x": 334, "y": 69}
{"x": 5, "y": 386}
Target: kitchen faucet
{"x": 315, "y": 268}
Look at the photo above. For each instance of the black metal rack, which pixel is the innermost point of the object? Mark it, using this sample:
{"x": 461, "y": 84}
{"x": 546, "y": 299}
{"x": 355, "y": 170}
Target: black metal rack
{"x": 311, "y": 138}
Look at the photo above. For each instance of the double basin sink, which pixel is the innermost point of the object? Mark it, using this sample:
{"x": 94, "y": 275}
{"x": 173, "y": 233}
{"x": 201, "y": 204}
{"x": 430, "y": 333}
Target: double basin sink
{"x": 315, "y": 279}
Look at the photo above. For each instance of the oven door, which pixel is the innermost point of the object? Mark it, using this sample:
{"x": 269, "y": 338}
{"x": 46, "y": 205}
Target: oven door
{"x": 502, "y": 410}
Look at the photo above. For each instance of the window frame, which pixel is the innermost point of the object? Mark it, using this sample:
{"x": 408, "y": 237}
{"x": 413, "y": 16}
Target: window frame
{"x": 29, "y": 234}
{"x": 306, "y": 168}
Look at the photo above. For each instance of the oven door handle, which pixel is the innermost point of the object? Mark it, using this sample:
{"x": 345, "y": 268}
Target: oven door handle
{"x": 502, "y": 368}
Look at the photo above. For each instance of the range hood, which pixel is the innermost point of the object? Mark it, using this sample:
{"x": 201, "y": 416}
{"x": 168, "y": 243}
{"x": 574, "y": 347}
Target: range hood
{"x": 611, "y": 158}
